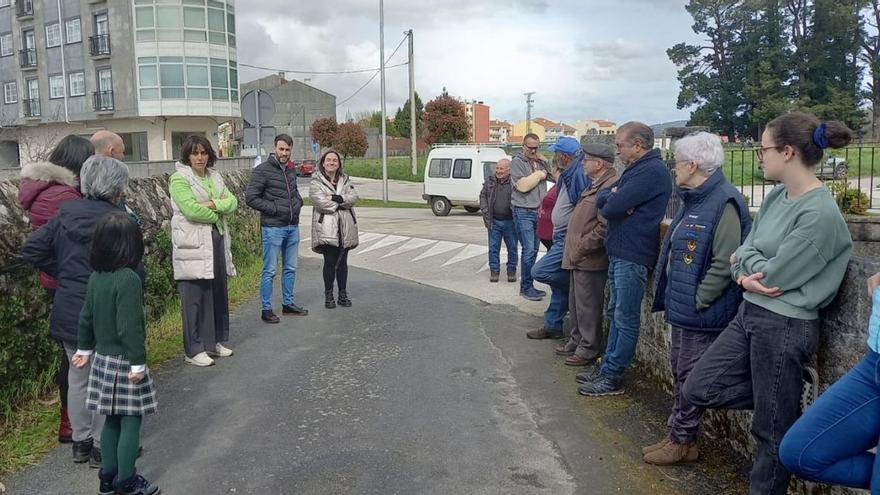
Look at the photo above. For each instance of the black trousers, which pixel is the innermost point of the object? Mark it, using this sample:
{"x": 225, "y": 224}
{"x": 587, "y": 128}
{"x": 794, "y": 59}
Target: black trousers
{"x": 335, "y": 267}
{"x": 60, "y": 378}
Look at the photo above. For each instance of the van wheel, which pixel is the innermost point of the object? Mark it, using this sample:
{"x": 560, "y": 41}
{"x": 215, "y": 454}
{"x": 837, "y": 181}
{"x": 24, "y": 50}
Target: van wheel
{"x": 440, "y": 206}
{"x": 471, "y": 209}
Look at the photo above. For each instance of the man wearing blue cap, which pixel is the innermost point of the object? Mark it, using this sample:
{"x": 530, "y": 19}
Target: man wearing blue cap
{"x": 548, "y": 270}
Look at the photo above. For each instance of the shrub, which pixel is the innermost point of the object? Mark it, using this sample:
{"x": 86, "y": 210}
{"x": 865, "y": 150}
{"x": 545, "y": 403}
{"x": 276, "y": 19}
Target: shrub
{"x": 850, "y": 200}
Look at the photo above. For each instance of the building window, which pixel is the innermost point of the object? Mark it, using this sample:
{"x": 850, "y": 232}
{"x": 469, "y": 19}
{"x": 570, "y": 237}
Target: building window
{"x": 6, "y": 45}
{"x": 10, "y": 92}
{"x": 177, "y": 139}
{"x": 77, "y": 84}
{"x": 148, "y": 78}
{"x": 135, "y": 146}
{"x": 219, "y": 79}
{"x": 56, "y": 86}
{"x": 4, "y": 3}
{"x": 197, "y": 82}
{"x": 53, "y": 35}
{"x": 73, "y": 28}
{"x": 216, "y": 23}
{"x": 171, "y": 77}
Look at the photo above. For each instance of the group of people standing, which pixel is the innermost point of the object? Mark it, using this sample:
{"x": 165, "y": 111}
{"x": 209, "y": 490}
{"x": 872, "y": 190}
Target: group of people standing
{"x": 741, "y": 296}
{"x": 88, "y": 244}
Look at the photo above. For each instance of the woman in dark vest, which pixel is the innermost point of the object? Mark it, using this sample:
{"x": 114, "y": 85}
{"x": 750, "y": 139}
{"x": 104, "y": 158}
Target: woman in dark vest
{"x": 692, "y": 279}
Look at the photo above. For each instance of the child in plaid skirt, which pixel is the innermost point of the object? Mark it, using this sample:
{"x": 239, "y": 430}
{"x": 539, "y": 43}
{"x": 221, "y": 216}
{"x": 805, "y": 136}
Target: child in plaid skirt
{"x": 112, "y": 333}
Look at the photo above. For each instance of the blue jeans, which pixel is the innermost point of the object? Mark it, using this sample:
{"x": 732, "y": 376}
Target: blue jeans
{"x": 626, "y": 281}
{"x": 502, "y": 229}
{"x": 526, "y": 220}
{"x": 830, "y": 442}
{"x": 548, "y": 270}
{"x": 286, "y": 241}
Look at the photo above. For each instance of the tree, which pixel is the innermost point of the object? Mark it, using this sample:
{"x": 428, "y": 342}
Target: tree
{"x": 401, "y": 118}
{"x": 324, "y": 131}
{"x": 871, "y": 58}
{"x": 351, "y": 140}
{"x": 445, "y": 120}
{"x": 374, "y": 120}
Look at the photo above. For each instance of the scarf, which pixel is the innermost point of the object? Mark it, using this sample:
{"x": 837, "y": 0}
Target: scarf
{"x": 574, "y": 178}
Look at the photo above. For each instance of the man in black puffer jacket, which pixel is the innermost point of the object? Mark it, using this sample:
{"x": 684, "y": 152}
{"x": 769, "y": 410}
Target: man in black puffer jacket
{"x": 272, "y": 191}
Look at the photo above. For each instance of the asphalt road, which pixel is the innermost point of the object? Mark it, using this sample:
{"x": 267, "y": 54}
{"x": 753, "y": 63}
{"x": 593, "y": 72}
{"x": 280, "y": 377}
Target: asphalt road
{"x": 413, "y": 390}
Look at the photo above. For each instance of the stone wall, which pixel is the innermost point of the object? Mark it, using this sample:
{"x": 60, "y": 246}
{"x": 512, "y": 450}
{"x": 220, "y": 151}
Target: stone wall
{"x": 841, "y": 343}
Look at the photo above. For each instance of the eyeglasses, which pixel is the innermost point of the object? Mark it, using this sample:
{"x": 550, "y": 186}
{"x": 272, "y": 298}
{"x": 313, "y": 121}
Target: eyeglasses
{"x": 533, "y": 148}
{"x": 760, "y": 151}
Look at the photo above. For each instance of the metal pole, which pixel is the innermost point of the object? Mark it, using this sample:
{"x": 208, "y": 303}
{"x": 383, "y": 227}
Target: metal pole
{"x": 306, "y": 147}
{"x": 382, "y": 83}
{"x": 412, "y": 107}
{"x": 529, "y": 102}
{"x": 259, "y": 131}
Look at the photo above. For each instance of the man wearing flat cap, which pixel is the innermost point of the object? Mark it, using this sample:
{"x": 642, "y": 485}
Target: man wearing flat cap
{"x": 584, "y": 255}
{"x": 571, "y": 184}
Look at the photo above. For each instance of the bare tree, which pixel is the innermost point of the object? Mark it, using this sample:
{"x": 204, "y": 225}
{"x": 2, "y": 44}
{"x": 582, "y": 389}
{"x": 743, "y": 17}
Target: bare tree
{"x": 870, "y": 56}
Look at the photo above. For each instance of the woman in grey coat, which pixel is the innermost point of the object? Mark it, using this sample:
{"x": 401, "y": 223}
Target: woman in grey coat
{"x": 334, "y": 225}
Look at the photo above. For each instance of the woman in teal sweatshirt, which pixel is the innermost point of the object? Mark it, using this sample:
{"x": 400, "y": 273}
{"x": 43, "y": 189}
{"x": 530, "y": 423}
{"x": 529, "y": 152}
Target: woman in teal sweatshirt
{"x": 790, "y": 266}
{"x": 112, "y": 334}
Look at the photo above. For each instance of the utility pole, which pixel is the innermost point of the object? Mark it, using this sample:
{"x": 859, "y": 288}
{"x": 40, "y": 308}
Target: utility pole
{"x": 382, "y": 84}
{"x": 306, "y": 147}
{"x": 412, "y": 107}
{"x": 529, "y": 102}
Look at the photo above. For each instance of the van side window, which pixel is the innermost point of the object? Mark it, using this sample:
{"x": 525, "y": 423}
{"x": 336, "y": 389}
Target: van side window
{"x": 488, "y": 169}
{"x": 440, "y": 168}
{"x": 462, "y": 169}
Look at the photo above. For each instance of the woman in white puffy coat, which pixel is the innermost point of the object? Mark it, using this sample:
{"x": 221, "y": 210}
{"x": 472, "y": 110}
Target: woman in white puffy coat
{"x": 334, "y": 224}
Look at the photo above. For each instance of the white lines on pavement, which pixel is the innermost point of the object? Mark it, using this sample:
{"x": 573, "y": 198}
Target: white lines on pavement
{"x": 440, "y": 248}
{"x": 469, "y": 251}
{"x": 387, "y": 241}
{"x": 411, "y": 245}
{"x": 369, "y": 236}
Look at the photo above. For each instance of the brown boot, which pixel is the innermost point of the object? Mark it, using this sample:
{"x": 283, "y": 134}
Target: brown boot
{"x": 543, "y": 333}
{"x": 65, "y": 432}
{"x": 656, "y": 446}
{"x": 673, "y": 453}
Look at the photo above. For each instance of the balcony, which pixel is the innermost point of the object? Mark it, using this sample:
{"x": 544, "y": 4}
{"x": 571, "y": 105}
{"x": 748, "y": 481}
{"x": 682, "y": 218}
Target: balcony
{"x": 24, "y": 9}
{"x": 28, "y": 58}
{"x": 99, "y": 45}
{"x": 103, "y": 101}
{"x": 32, "y": 108}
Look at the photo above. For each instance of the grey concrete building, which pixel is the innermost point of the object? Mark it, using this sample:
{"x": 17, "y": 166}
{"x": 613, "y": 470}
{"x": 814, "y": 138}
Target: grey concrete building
{"x": 153, "y": 71}
{"x": 297, "y": 106}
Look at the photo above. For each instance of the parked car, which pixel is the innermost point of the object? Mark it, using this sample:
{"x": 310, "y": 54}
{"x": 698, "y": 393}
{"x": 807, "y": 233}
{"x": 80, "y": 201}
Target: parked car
{"x": 455, "y": 173}
{"x": 832, "y": 168}
{"x": 306, "y": 168}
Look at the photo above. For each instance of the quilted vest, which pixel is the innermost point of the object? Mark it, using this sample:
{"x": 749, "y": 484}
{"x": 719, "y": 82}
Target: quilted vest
{"x": 687, "y": 248}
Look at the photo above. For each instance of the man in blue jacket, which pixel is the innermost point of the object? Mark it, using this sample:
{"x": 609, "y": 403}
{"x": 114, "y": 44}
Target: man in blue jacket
{"x": 634, "y": 209}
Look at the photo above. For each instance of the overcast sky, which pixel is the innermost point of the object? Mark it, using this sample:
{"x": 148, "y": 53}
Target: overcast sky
{"x": 583, "y": 58}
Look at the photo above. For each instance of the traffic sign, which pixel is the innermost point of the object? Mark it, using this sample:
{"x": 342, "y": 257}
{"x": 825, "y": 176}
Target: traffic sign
{"x": 249, "y": 110}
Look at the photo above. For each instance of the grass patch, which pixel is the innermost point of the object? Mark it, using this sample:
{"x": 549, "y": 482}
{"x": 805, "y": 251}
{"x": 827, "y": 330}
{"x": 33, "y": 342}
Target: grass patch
{"x": 399, "y": 168}
{"x": 32, "y": 430}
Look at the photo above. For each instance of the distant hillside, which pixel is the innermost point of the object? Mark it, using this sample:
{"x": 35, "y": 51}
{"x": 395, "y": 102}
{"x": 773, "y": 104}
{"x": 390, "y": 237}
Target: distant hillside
{"x": 660, "y": 129}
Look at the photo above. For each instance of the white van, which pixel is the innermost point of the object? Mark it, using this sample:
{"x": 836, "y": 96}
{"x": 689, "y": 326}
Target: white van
{"x": 454, "y": 175}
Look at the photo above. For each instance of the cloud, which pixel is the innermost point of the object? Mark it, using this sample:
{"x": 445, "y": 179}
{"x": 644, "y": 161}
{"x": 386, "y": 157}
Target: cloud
{"x": 603, "y": 61}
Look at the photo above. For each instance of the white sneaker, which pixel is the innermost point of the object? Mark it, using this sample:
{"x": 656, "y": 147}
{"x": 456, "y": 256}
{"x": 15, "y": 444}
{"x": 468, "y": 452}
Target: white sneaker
{"x": 200, "y": 359}
{"x": 221, "y": 351}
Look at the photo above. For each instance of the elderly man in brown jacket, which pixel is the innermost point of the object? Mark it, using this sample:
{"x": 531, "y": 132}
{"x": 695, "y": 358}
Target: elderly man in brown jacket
{"x": 585, "y": 257}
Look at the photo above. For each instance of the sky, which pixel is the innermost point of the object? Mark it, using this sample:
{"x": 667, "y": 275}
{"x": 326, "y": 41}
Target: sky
{"x": 584, "y": 59}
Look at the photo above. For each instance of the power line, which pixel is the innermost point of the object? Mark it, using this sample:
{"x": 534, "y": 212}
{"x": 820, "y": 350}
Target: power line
{"x": 343, "y": 102}
{"x": 324, "y": 73}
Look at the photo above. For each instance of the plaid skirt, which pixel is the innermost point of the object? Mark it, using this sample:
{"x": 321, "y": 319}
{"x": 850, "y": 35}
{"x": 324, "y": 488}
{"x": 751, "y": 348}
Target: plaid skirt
{"x": 111, "y": 393}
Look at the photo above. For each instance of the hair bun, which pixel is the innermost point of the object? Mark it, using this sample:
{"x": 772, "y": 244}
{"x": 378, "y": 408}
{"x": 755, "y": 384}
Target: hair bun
{"x": 837, "y": 134}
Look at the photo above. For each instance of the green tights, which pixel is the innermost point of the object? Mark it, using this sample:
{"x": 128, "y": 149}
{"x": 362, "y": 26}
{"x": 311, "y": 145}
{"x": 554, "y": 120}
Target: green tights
{"x": 119, "y": 444}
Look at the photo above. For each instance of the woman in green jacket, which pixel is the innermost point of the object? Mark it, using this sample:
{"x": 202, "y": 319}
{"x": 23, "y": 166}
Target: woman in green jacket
{"x": 790, "y": 266}
{"x": 202, "y": 255}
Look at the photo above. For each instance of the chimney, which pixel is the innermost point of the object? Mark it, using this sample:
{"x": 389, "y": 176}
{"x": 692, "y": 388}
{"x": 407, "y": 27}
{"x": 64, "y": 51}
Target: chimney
{"x": 281, "y": 75}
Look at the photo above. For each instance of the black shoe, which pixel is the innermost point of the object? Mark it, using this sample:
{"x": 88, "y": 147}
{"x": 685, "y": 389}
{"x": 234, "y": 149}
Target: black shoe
{"x": 269, "y": 316}
{"x": 136, "y": 485}
{"x": 294, "y": 310}
{"x": 329, "y": 303}
{"x": 601, "y": 386}
{"x": 344, "y": 301}
{"x": 82, "y": 451}
{"x": 493, "y": 277}
{"x": 106, "y": 483}
{"x": 588, "y": 376}
{"x": 511, "y": 276}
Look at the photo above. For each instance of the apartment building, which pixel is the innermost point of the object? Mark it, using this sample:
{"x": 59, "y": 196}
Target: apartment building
{"x": 499, "y": 131}
{"x": 154, "y": 71}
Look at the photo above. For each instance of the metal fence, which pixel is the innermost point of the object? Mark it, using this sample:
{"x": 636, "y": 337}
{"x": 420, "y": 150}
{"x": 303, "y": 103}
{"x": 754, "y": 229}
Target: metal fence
{"x": 853, "y": 175}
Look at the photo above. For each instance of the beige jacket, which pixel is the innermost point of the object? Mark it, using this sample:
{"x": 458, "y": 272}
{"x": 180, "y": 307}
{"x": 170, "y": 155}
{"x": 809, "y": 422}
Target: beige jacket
{"x": 585, "y": 239}
{"x": 330, "y": 218}
{"x": 193, "y": 246}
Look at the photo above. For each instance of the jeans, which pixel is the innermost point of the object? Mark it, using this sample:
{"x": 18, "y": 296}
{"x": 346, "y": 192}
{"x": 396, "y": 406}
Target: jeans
{"x": 548, "y": 270}
{"x": 526, "y": 220}
{"x": 506, "y": 230}
{"x": 626, "y": 281}
{"x": 286, "y": 241}
{"x": 830, "y": 442}
{"x": 757, "y": 363}
{"x": 687, "y": 348}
